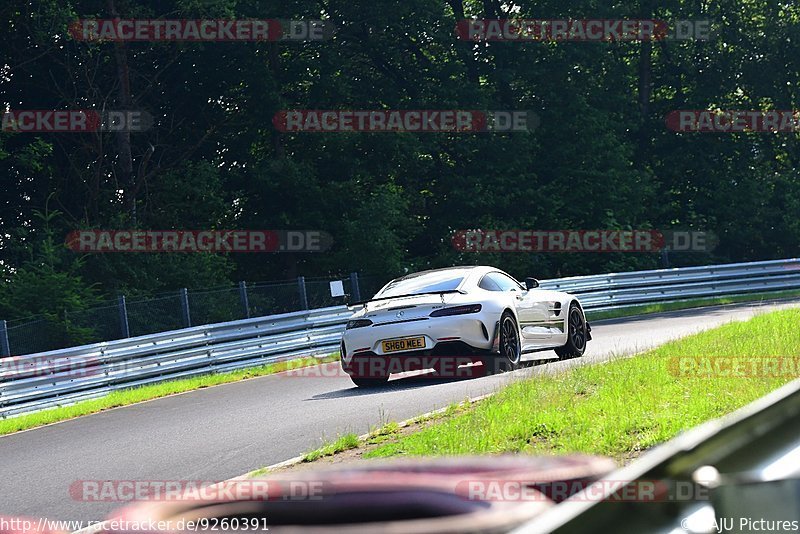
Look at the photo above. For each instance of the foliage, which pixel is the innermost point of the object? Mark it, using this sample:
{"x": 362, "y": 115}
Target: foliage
{"x": 601, "y": 157}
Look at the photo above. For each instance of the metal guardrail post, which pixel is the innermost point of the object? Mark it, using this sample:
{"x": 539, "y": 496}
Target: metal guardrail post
{"x": 124, "y": 327}
{"x": 301, "y": 288}
{"x": 665, "y": 258}
{"x": 187, "y": 317}
{"x": 354, "y": 289}
{"x": 245, "y": 299}
{"x": 5, "y": 348}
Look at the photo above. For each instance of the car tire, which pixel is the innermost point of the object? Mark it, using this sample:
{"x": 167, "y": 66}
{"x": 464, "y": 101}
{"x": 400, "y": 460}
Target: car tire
{"x": 369, "y": 383}
{"x": 510, "y": 355}
{"x": 577, "y": 334}
{"x": 360, "y": 381}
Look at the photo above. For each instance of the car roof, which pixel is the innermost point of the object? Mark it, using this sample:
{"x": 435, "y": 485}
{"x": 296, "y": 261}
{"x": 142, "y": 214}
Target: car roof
{"x": 471, "y": 275}
{"x": 467, "y": 270}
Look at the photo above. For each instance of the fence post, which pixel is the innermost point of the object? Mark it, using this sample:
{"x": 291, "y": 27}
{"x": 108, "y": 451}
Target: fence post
{"x": 354, "y": 289}
{"x": 5, "y": 348}
{"x": 187, "y": 318}
{"x": 245, "y": 300}
{"x": 125, "y": 329}
{"x": 301, "y": 288}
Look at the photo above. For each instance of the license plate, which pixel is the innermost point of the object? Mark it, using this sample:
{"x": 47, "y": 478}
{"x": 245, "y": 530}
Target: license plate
{"x": 408, "y": 343}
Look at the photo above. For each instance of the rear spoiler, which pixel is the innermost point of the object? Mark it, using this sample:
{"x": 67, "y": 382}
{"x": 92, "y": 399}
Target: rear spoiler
{"x": 446, "y": 291}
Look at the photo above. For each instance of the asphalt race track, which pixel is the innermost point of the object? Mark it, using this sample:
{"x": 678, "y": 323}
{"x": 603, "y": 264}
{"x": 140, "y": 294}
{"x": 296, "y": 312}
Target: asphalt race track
{"x": 225, "y": 431}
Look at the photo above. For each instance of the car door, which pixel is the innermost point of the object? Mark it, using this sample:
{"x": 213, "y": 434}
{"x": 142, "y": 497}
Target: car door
{"x": 531, "y": 311}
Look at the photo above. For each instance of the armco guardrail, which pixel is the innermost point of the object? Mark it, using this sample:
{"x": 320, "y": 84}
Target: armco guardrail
{"x": 599, "y": 292}
{"x": 38, "y": 381}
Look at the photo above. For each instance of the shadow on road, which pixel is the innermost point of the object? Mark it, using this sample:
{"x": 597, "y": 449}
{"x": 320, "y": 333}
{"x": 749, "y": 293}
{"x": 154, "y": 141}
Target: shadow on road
{"x": 428, "y": 378}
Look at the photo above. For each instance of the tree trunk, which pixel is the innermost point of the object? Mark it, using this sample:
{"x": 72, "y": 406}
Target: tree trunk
{"x": 125, "y": 158}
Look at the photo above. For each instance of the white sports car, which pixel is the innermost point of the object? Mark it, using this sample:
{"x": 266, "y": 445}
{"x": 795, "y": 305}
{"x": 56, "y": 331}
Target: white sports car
{"x": 479, "y": 312}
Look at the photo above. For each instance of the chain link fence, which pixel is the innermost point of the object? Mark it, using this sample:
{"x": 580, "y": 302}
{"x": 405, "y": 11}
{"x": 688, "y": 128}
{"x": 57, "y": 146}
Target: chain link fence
{"x": 130, "y": 317}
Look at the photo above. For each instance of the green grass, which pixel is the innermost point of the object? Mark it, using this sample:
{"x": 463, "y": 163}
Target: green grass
{"x": 619, "y": 408}
{"x": 383, "y": 433}
{"x": 378, "y": 435}
{"x": 686, "y": 304}
{"x": 343, "y": 443}
{"x": 126, "y": 397}
{"x": 347, "y": 442}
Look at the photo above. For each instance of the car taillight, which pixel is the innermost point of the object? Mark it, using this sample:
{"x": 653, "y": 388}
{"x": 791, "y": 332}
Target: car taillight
{"x": 457, "y": 310}
{"x": 358, "y": 323}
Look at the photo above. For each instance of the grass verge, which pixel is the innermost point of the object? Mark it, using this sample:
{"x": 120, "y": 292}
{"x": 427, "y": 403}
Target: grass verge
{"x": 126, "y": 397}
{"x": 616, "y": 409}
{"x": 341, "y": 444}
{"x": 687, "y": 304}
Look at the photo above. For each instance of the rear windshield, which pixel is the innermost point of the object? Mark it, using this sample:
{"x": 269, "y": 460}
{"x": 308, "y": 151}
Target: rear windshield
{"x": 424, "y": 283}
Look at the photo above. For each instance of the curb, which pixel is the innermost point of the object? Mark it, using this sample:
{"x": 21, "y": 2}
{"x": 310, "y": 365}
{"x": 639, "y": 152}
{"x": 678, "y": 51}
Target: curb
{"x": 402, "y": 424}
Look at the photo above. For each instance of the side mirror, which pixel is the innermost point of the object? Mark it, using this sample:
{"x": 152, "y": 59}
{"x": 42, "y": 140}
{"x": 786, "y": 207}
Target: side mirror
{"x": 531, "y": 283}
